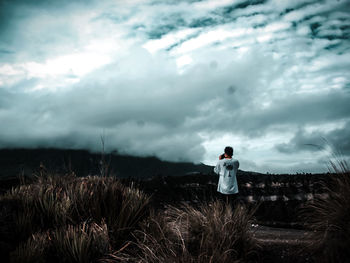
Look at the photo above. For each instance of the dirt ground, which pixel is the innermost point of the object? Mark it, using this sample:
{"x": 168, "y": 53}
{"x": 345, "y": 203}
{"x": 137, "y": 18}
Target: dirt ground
{"x": 282, "y": 245}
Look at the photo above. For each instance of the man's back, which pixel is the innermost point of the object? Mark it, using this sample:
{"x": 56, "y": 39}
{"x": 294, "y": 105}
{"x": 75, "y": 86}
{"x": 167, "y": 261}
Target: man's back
{"x": 227, "y": 170}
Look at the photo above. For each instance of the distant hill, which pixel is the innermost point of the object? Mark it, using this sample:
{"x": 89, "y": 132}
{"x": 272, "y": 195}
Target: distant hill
{"x": 26, "y": 161}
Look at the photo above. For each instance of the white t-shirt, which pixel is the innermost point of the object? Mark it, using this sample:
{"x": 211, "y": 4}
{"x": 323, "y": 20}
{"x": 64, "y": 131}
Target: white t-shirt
{"x": 227, "y": 170}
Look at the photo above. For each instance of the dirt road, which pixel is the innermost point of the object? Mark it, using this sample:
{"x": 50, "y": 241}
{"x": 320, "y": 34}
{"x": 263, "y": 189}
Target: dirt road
{"x": 282, "y": 245}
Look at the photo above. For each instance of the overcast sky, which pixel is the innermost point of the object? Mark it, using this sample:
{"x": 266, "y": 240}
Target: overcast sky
{"x": 179, "y": 79}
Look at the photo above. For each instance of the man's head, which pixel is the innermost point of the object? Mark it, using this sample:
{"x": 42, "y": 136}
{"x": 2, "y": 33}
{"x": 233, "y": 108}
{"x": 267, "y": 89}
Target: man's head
{"x": 229, "y": 151}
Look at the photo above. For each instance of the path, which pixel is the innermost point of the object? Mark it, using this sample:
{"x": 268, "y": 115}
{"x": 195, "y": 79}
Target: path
{"x": 282, "y": 244}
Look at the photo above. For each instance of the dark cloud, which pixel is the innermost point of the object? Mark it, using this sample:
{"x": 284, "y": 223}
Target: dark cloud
{"x": 242, "y": 5}
{"x": 241, "y": 115}
{"x": 5, "y": 52}
{"x": 303, "y": 141}
{"x": 231, "y": 89}
{"x": 36, "y": 29}
{"x": 300, "y": 109}
{"x": 164, "y": 24}
{"x": 204, "y": 22}
{"x": 319, "y": 140}
{"x": 161, "y": 31}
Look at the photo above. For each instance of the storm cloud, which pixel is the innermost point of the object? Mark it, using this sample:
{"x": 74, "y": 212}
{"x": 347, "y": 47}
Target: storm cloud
{"x": 316, "y": 140}
{"x": 179, "y": 79}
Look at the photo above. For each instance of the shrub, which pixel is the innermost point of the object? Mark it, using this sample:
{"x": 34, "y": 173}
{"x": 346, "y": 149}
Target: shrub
{"x": 329, "y": 218}
{"x": 81, "y": 243}
{"x": 52, "y": 203}
{"x": 105, "y": 198}
{"x": 31, "y": 251}
{"x": 211, "y": 233}
{"x": 39, "y": 206}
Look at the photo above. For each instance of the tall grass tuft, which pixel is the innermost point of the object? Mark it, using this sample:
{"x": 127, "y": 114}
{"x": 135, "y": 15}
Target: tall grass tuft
{"x": 31, "y": 251}
{"x": 210, "y": 233}
{"x": 62, "y": 205}
{"x": 38, "y": 206}
{"x": 105, "y": 198}
{"x": 330, "y": 218}
{"x": 85, "y": 242}
{"x": 81, "y": 243}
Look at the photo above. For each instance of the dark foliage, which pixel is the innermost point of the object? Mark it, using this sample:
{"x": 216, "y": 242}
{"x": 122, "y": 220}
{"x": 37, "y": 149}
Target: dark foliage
{"x": 69, "y": 217}
{"x": 330, "y": 218}
{"x": 213, "y": 232}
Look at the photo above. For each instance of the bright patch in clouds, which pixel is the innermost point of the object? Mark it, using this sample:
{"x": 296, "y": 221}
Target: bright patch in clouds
{"x": 210, "y": 5}
{"x": 77, "y": 64}
{"x": 183, "y": 61}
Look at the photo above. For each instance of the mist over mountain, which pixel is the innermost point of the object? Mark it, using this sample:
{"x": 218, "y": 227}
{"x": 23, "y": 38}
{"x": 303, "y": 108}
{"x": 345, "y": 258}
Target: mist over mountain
{"x": 14, "y": 162}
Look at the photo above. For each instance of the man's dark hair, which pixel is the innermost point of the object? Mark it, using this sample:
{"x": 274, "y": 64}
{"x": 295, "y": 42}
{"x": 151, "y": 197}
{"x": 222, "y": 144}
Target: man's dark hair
{"x": 229, "y": 151}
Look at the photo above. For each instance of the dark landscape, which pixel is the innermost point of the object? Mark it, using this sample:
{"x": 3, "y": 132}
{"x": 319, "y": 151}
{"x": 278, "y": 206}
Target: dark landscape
{"x": 114, "y": 115}
{"x": 275, "y": 202}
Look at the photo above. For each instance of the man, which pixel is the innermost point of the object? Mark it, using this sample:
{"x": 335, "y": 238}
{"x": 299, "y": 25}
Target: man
{"x": 227, "y": 168}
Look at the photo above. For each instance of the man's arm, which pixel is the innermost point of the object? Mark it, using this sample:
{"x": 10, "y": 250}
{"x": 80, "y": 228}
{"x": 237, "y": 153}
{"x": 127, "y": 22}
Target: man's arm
{"x": 237, "y": 164}
{"x": 217, "y": 168}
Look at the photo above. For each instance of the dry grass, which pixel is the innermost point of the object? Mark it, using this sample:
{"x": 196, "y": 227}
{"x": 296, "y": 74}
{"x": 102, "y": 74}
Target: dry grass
{"x": 90, "y": 219}
{"x": 330, "y": 218}
{"x": 211, "y": 233}
{"x": 31, "y": 251}
{"x": 85, "y": 242}
{"x": 81, "y": 243}
{"x": 57, "y": 209}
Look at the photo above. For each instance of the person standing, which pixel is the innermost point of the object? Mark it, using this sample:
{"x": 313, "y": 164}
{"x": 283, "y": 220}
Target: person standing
{"x": 227, "y": 168}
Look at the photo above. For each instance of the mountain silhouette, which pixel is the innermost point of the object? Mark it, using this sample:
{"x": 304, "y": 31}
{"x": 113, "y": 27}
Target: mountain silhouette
{"x": 28, "y": 161}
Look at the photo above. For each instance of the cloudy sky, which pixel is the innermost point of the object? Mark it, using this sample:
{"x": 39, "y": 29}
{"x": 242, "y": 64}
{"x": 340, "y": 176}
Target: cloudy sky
{"x": 179, "y": 79}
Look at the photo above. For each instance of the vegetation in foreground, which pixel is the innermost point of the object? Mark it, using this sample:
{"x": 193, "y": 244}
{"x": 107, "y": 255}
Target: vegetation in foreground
{"x": 330, "y": 218}
{"x": 213, "y": 232}
{"x": 66, "y": 218}
{"x": 69, "y": 219}
{"x": 98, "y": 219}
